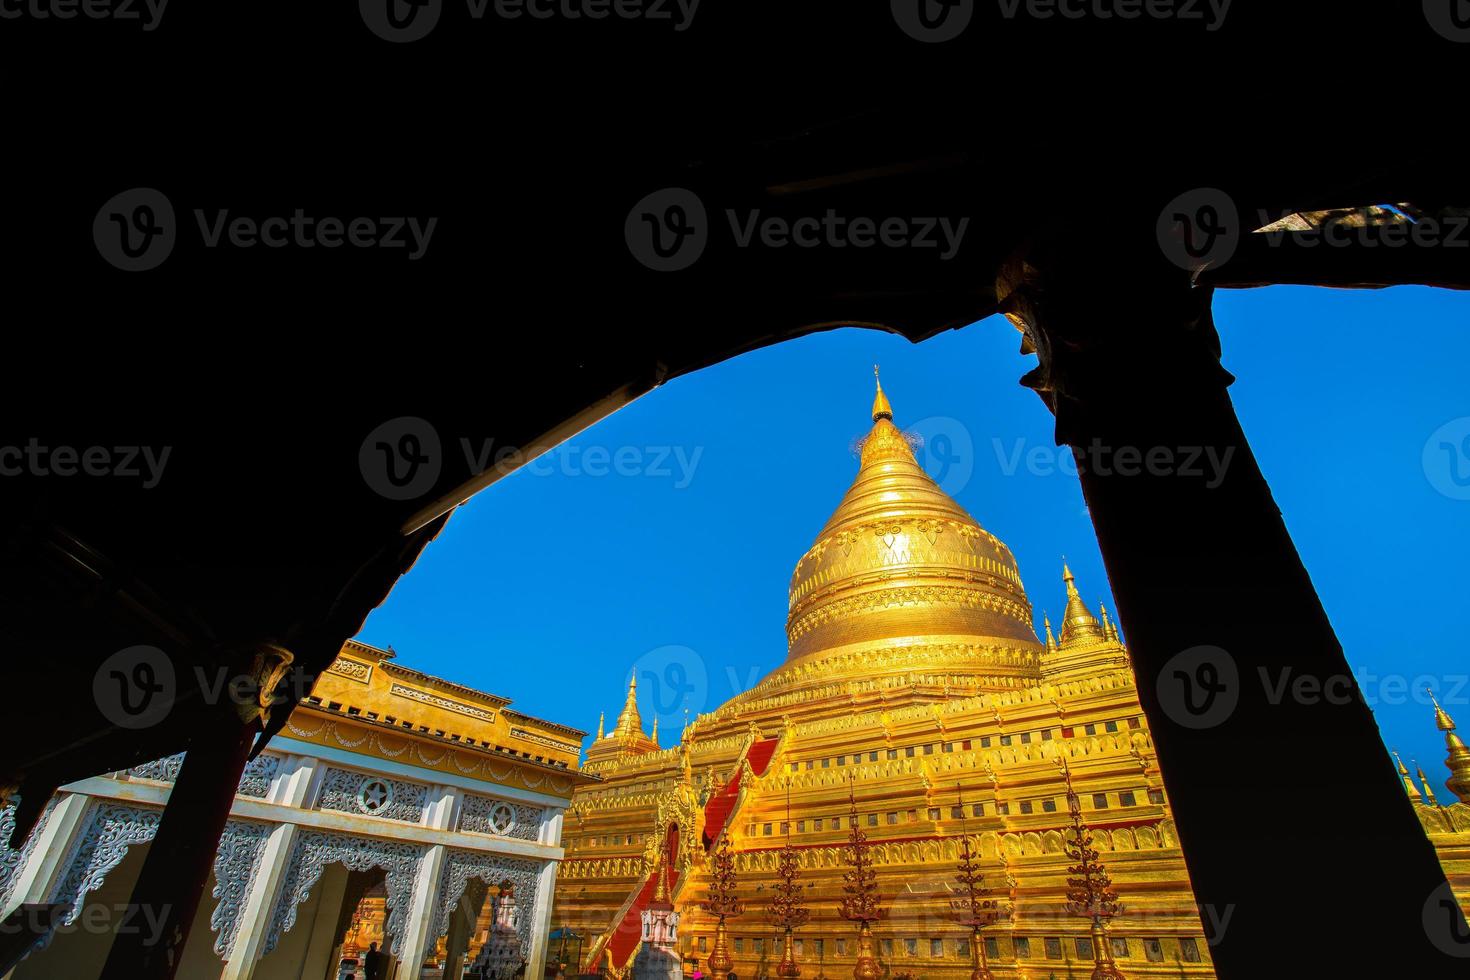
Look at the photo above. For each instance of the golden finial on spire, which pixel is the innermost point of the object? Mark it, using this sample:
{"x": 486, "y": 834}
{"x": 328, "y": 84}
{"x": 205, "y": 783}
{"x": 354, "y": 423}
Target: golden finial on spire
{"x": 1051, "y": 642}
{"x": 654, "y": 736}
{"x": 1428, "y": 790}
{"x": 1442, "y": 721}
{"x": 881, "y": 408}
{"x": 1409, "y": 786}
{"x": 1458, "y": 760}
{"x": 601, "y": 719}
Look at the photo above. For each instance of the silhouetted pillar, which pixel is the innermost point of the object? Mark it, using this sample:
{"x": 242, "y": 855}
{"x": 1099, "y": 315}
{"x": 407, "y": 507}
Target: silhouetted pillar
{"x": 1303, "y": 850}
{"x": 179, "y": 860}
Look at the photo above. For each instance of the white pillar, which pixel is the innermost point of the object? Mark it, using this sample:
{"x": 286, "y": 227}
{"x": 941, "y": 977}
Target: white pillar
{"x": 441, "y": 810}
{"x": 419, "y": 922}
{"x": 293, "y": 785}
{"x": 541, "y": 923}
{"x": 45, "y": 865}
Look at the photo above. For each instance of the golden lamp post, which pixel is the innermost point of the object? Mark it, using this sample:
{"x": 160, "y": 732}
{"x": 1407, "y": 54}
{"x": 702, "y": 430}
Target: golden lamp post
{"x": 1090, "y": 891}
{"x": 975, "y": 909}
{"x": 860, "y": 882}
{"x": 786, "y": 910}
{"x": 721, "y": 901}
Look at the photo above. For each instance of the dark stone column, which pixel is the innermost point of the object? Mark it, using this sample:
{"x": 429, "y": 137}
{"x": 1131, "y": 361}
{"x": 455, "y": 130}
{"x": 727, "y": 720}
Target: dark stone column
{"x": 171, "y": 882}
{"x": 1304, "y": 852}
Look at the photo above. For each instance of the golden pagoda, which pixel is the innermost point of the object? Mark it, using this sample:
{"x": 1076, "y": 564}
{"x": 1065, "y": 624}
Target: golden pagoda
{"x": 915, "y": 680}
{"x": 1447, "y": 824}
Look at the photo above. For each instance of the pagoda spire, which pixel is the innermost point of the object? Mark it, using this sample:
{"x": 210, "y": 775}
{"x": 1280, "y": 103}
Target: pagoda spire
{"x": 1409, "y": 786}
{"x": 881, "y": 408}
{"x": 629, "y": 721}
{"x": 601, "y": 722}
{"x": 1110, "y": 631}
{"x": 1078, "y": 623}
{"x": 1458, "y": 760}
{"x": 1428, "y": 789}
{"x": 654, "y": 736}
{"x": 1051, "y": 641}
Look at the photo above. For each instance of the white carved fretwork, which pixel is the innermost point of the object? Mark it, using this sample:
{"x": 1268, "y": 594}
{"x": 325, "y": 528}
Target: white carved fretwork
{"x": 255, "y": 781}
{"x": 236, "y": 863}
{"x": 378, "y": 796}
{"x": 486, "y": 815}
{"x": 460, "y": 866}
{"x": 108, "y": 830}
{"x": 12, "y": 859}
{"x": 164, "y": 770}
{"x": 315, "y": 850}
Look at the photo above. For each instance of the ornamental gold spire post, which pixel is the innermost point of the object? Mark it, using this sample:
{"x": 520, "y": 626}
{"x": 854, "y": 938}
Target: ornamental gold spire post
{"x": 1090, "y": 892}
{"x": 786, "y": 910}
{"x": 1458, "y": 760}
{"x": 976, "y": 910}
{"x": 860, "y": 904}
{"x": 721, "y": 902}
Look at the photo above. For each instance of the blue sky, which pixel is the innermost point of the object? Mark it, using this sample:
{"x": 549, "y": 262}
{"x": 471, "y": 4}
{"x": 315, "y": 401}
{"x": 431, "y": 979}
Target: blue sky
{"x": 664, "y": 537}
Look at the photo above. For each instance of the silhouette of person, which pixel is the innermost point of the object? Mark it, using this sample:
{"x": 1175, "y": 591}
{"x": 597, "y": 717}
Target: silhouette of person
{"x": 372, "y": 963}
